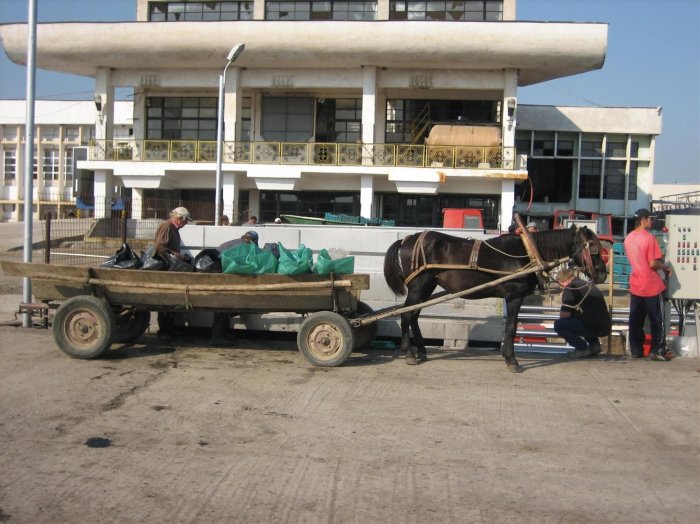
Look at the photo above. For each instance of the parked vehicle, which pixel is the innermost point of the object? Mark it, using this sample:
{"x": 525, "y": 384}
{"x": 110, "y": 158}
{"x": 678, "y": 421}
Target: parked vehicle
{"x": 462, "y": 218}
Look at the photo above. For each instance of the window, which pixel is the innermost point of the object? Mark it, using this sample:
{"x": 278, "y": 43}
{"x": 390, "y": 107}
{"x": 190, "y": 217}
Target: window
{"x": 321, "y": 10}
{"x": 592, "y": 146}
{"x": 589, "y": 179}
{"x": 190, "y": 11}
{"x": 307, "y": 203}
{"x": 72, "y": 134}
{"x": 181, "y": 118}
{"x": 614, "y": 187}
{"x": 50, "y": 163}
{"x": 566, "y": 144}
{"x": 68, "y": 166}
{"x": 287, "y": 119}
{"x": 543, "y": 144}
{"x": 466, "y": 10}
{"x": 632, "y": 192}
{"x": 339, "y": 120}
{"x": 9, "y": 164}
{"x": 50, "y": 133}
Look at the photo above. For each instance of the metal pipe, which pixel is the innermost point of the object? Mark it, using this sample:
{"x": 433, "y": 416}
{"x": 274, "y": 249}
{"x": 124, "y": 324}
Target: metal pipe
{"x": 29, "y": 158}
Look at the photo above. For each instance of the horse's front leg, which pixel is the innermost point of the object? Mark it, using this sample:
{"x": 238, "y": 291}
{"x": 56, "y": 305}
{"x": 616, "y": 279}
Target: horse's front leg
{"x": 406, "y": 339}
{"x": 507, "y": 350}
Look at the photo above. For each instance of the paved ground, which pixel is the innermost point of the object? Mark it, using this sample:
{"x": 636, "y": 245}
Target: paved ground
{"x": 254, "y": 434}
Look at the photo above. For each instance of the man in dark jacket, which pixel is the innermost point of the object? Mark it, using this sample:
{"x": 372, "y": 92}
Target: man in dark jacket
{"x": 583, "y": 317}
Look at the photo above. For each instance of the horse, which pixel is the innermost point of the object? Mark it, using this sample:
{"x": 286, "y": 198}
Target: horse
{"x": 422, "y": 261}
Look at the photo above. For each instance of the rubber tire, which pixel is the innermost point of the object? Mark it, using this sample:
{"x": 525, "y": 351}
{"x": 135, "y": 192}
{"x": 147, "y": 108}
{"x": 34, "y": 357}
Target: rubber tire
{"x": 325, "y": 339}
{"x": 364, "y": 335}
{"x": 131, "y": 323}
{"x": 83, "y": 327}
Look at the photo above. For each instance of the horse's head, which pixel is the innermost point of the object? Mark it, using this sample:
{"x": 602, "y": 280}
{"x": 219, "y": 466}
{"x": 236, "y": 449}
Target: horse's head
{"x": 587, "y": 253}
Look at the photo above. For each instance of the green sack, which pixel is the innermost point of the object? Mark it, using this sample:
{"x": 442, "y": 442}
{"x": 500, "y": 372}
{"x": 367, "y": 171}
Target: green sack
{"x": 325, "y": 265}
{"x": 294, "y": 262}
{"x": 248, "y": 259}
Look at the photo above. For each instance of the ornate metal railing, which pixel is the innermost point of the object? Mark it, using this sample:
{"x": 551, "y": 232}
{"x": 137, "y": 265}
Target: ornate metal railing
{"x": 306, "y": 153}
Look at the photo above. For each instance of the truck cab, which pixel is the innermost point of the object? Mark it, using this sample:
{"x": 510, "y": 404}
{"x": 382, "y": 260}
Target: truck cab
{"x": 462, "y": 218}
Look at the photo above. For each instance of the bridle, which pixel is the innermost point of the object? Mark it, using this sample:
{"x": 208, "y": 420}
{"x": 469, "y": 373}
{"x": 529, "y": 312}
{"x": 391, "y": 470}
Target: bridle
{"x": 587, "y": 250}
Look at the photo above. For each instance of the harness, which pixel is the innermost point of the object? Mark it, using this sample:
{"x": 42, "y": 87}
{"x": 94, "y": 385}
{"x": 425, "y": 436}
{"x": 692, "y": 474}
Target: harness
{"x": 419, "y": 261}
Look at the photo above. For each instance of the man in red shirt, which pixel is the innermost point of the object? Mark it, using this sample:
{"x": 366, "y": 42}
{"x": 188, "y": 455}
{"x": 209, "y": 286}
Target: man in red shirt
{"x": 646, "y": 288}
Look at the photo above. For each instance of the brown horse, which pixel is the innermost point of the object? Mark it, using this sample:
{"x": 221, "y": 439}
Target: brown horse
{"x": 423, "y": 261}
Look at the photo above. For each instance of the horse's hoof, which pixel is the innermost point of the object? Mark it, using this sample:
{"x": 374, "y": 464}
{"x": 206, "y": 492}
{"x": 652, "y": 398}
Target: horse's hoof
{"x": 411, "y": 360}
{"x": 515, "y": 368}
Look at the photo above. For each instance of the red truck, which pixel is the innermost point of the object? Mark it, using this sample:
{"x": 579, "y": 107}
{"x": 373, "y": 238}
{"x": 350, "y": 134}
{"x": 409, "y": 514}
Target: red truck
{"x": 462, "y": 218}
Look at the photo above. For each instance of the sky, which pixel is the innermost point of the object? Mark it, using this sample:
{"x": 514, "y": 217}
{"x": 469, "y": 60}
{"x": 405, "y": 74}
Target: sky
{"x": 653, "y": 59}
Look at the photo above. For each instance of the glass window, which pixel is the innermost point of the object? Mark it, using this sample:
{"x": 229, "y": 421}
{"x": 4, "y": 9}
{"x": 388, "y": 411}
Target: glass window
{"x": 9, "y": 164}
{"x": 566, "y": 144}
{"x": 615, "y": 149}
{"x": 589, "y": 179}
{"x": 192, "y": 11}
{"x": 592, "y": 146}
{"x": 181, "y": 118}
{"x": 287, "y": 119}
{"x": 465, "y": 10}
{"x": 632, "y": 191}
{"x": 614, "y": 187}
{"x": 543, "y": 144}
{"x": 50, "y": 163}
{"x": 68, "y": 166}
{"x": 321, "y": 10}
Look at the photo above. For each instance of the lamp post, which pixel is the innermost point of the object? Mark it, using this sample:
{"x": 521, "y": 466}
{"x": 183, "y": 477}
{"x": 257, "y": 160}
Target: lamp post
{"x": 231, "y": 57}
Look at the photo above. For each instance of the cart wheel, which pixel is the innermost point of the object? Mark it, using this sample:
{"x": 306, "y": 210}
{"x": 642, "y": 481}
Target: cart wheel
{"x": 131, "y": 323}
{"x": 325, "y": 339}
{"x": 83, "y": 327}
{"x": 364, "y": 335}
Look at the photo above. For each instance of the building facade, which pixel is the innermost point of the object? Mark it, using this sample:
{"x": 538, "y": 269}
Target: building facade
{"x": 390, "y": 109}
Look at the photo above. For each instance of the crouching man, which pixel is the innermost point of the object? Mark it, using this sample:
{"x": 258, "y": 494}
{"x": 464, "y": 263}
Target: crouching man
{"x": 583, "y": 317}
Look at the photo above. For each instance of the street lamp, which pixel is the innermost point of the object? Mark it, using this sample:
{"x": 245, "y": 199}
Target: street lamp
{"x": 231, "y": 58}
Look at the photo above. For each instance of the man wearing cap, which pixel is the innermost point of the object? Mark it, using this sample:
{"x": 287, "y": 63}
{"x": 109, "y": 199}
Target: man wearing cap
{"x": 531, "y": 227}
{"x": 246, "y": 238}
{"x": 167, "y": 237}
{"x": 583, "y": 317}
{"x": 167, "y": 240}
{"x": 646, "y": 288}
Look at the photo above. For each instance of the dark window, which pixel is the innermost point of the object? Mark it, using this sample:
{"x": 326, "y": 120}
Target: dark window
{"x": 465, "y": 10}
{"x": 550, "y": 180}
{"x": 287, "y": 119}
{"x": 543, "y": 144}
{"x": 614, "y": 186}
{"x": 426, "y": 210}
{"x": 321, "y": 10}
{"x": 339, "y": 120}
{"x": 402, "y": 115}
{"x": 632, "y": 192}
{"x": 10, "y": 164}
{"x": 591, "y": 146}
{"x": 589, "y": 179}
{"x": 191, "y": 11}
{"x": 181, "y": 118}
{"x": 307, "y": 203}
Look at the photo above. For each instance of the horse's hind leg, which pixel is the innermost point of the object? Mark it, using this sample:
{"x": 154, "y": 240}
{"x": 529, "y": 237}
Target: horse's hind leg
{"x": 421, "y": 353}
{"x": 406, "y": 339}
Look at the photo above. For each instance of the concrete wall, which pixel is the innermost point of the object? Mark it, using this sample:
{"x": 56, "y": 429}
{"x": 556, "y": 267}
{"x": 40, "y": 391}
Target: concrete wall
{"x": 454, "y": 322}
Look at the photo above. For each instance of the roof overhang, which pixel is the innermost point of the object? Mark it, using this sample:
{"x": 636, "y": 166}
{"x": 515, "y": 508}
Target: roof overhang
{"x": 540, "y": 51}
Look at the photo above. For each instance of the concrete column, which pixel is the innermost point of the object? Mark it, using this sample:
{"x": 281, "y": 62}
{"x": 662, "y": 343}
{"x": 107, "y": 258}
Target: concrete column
{"x": 229, "y": 193}
{"x": 366, "y": 195}
{"x": 510, "y": 110}
{"x": 103, "y": 193}
{"x": 232, "y": 106}
{"x": 382, "y": 9}
{"x": 369, "y": 100}
{"x": 137, "y": 203}
{"x": 254, "y": 203}
{"x": 507, "y": 203}
{"x": 259, "y": 10}
{"x": 104, "y": 124}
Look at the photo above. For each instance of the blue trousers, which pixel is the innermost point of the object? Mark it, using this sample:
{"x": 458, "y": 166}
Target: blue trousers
{"x": 574, "y": 331}
{"x": 640, "y": 308}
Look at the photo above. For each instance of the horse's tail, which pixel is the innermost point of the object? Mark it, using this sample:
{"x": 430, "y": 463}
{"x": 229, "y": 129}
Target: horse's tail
{"x": 393, "y": 274}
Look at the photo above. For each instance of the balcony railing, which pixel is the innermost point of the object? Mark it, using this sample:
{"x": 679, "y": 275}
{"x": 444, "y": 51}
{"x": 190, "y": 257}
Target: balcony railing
{"x": 306, "y": 153}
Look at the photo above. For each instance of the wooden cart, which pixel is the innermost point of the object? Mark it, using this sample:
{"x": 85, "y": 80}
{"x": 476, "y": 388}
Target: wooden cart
{"x": 96, "y": 307}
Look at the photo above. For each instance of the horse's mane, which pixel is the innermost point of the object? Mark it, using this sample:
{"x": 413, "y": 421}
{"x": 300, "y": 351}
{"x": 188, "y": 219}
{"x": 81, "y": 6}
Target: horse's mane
{"x": 555, "y": 243}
